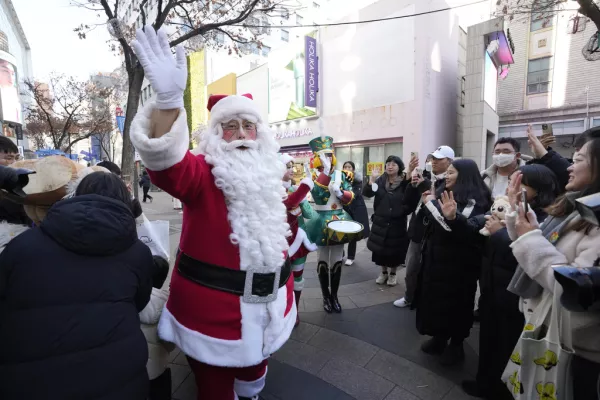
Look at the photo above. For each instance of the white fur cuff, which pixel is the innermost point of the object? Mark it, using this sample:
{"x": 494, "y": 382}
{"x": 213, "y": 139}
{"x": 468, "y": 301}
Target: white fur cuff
{"x": 166, "y": 151}
{"x": 308, "y": 182}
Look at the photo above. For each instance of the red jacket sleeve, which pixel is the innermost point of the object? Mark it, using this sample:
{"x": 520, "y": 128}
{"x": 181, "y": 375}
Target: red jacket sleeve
{"x": 294, "y": 199}
{"x": 184, "y": 179}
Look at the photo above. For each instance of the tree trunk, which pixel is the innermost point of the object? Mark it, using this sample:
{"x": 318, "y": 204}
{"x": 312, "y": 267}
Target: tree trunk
{"x": 136, "y": 79}
{"x": 590, "y": 10}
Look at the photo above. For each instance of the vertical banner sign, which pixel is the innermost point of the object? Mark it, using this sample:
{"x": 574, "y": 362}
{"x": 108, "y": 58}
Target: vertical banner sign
{"x": 311, "y": 72}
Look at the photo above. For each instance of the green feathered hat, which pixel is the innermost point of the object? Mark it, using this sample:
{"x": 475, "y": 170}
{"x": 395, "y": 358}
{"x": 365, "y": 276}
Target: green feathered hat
{"x": 321, "y": 143}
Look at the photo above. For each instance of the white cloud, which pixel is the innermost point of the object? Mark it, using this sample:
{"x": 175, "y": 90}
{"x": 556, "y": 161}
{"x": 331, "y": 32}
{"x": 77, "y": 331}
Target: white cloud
{"x": 49, "y": 24}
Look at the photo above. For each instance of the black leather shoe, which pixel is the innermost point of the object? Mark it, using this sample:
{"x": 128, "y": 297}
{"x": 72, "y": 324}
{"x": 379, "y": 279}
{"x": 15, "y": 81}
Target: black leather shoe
{"x": 454, "y": 354}
{"x": 473, "y": 389}
{"x": 434, "y": 346}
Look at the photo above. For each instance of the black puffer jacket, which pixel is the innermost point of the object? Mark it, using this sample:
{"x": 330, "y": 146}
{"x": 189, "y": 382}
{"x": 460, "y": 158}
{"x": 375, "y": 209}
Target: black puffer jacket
{"x": 358, "y": 209}
{"x": 448, "y": 276}
{"x": 416, "y": 228}
{"x": 70, "y": 293}
{"x": 388, "y": 237}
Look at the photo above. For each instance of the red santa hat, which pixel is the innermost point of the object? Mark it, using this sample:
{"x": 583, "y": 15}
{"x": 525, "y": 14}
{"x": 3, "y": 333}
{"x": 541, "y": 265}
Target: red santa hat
{"x": 224, "y": 107}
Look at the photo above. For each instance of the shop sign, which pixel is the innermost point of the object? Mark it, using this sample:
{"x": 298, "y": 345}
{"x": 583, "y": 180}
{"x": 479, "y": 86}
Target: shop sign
{"x": 374, "y": 166}
{"x": 311, "y": 73}
{"x": 293, "y": 134}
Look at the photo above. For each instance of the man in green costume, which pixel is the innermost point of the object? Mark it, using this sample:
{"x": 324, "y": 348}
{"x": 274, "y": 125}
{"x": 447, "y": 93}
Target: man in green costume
{"x": 332, "y": 191}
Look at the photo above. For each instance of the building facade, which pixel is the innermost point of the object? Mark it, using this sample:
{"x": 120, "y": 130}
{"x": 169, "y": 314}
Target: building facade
{"x": 15, "y": 67}
{"x": 550, "y": 82}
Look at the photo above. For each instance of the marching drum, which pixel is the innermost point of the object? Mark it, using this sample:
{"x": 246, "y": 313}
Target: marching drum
{"x": 342, "y": 232}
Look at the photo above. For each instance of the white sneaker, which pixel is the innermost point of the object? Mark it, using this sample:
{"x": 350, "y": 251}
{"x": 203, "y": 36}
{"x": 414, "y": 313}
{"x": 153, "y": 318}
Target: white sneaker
{"x": 392, "y": 281}
{"x": 381, "y": 279}
{"x": 349, "y": 262}
{"x": 401, "y": 303}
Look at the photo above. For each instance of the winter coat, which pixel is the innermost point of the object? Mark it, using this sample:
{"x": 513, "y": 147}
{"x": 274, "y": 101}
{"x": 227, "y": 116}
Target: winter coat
{"x": 70, "y": 294}
{"x": 489, "y": 175}
{"x": 158, "y": 351}
{"x": 145, "y": 181}
{"x": 448, "y": 277}
{"x": 358, "y": 209}
{"x": 389, "y": 240}
{"x": 416, "y": 228}
{"x": 537, "y": 256}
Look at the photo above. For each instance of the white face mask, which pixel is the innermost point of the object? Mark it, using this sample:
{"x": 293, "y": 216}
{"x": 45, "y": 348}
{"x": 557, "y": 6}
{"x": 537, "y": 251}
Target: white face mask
{"x": 503, "y": 160}
{"x": 428, "y": 167}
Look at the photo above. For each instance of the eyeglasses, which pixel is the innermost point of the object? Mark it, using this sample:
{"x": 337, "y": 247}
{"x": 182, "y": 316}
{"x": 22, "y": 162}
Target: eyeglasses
{"x": 235, "y": 126}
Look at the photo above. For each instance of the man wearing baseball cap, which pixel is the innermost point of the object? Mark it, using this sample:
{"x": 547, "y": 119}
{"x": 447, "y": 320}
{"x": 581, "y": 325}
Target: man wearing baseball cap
{"x": 441, "y": 159}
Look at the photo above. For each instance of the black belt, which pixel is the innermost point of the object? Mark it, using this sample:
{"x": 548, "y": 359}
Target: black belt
{"x": 255, "y": 287}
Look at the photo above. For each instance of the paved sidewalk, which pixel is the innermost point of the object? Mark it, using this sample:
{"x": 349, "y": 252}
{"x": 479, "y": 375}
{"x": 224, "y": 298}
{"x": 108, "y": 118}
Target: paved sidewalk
{"x": 368, "y": 352}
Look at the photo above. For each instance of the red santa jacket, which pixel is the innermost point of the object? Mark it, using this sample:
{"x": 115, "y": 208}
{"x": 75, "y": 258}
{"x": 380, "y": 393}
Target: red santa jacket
{"x": 209, "y": 325}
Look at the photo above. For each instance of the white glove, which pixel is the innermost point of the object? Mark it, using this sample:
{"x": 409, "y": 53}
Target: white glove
{"x": 167, "y": 77}
{"x": 335, "y": 187}
{"x": 326, "y": 164}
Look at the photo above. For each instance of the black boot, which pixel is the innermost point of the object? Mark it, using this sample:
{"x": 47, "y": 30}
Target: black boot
{"x": 160, "y": 387}
{"x": 336, "y": 275}
{"x": 323, "y": 272}
{"x": 435, "y": 345}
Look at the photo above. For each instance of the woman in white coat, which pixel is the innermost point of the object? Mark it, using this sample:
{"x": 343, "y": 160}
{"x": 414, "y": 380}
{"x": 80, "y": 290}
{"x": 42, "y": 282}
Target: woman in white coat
{"x": 565, "y": 239}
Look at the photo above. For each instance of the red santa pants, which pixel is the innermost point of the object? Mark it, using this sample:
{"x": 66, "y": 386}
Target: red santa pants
{"x": 225, "y": 383}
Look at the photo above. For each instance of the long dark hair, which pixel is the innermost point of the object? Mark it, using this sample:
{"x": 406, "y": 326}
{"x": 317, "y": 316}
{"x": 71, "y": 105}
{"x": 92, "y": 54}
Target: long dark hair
{"x": 105, "y": 184}
{"x": 544, "y": 182}
{"x": 469, "y": 185}
{"x": 563, "y": 206}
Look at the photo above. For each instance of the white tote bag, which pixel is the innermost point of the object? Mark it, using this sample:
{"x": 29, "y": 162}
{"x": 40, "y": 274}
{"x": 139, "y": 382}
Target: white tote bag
{"x": 540, "y": 366}
{"x": 155, "y": 235}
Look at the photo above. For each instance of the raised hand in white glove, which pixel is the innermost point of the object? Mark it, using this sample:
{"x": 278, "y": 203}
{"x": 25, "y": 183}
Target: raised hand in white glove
{"x": 167, "y": 76}
{"x": 326, "y": 161}
{"x": 335, "y": 187}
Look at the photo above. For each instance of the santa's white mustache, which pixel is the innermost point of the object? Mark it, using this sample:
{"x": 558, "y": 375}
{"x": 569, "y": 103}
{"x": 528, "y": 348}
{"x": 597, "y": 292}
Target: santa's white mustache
{"x": 251, "y": 144}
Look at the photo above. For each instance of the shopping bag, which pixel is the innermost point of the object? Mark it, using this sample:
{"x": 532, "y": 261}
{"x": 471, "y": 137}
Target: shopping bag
{"x": 155, "y": 235}
{"x": 540, "y": 365}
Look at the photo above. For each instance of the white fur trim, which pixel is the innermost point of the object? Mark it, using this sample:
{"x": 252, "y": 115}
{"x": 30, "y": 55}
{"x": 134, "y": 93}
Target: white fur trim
{"x": 250, "y": 389}
{"x": 264, "y": 331}
{"x": 286, "y": 158}
{"x": 166, "y": 151}
{"x": 308, "y": 182}
{"x": 231, "y": 106}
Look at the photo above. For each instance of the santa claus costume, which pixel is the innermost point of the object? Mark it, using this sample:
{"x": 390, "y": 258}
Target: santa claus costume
{"x": 231, "y": 303}
{"x": 331, "y": 192}
{"x": 298, "y": 208}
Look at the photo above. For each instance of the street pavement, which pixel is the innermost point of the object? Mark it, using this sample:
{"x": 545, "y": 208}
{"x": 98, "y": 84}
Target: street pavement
{"x": 371, "y": 351}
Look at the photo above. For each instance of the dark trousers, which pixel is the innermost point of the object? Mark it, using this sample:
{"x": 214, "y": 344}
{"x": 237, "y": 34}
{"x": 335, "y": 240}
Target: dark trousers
{"x": 146, "y": 195}
{"x": 351, "y": 250}
{"x": 160, "y": 388}
{"x": 500, "y": 329}
{"x": 585, "y": 379}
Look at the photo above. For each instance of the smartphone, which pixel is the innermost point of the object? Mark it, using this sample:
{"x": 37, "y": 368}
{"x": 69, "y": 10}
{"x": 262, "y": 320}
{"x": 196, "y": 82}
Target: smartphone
{"x": 547, "y": 130}
{"x": 524, "y": 200}
{"x": 414, "y": 154}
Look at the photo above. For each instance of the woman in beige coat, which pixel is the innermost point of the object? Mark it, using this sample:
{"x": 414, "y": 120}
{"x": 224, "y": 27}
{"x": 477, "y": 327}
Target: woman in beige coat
{"x": 572, "y": 242}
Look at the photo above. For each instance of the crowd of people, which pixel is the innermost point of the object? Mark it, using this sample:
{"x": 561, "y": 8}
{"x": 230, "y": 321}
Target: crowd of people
{"x": 79, "y": 290}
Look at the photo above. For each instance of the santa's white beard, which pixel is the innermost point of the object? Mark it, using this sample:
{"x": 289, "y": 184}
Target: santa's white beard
{"x": 251, "y": 182}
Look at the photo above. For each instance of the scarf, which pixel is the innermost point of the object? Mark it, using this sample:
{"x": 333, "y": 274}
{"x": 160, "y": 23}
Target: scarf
{"x": 552, "y": 229}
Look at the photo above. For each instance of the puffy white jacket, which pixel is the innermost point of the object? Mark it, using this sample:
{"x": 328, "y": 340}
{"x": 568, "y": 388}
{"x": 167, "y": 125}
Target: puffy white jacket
{"x": 158, "y": 351}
